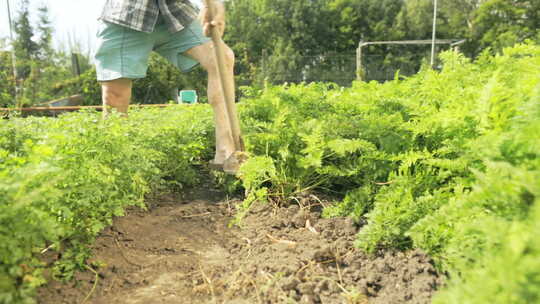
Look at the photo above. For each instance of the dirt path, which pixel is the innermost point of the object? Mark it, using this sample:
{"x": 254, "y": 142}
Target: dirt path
{"x": 182, "y": 251}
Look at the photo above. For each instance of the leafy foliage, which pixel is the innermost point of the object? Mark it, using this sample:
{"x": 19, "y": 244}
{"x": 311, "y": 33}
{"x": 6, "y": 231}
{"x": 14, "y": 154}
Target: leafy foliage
{"x": 446, "y": 161}
{"x": 282, "y": 41}
{"x": 502, "y": 23}
{"x": 303, "y": 41}
{"x": 443, "y": 161}
{"x": 63, "y": 180}
{"x": 7, "y": 89}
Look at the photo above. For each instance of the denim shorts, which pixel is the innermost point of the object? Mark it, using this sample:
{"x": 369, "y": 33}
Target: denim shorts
{"x": 123, "y": 52}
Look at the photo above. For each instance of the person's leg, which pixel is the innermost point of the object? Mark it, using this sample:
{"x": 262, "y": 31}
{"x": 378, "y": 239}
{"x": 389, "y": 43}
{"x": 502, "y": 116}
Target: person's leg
{"x": 116, "y": 94}
{"x": 121, "y": 55}
{"x": 204, "y": 54}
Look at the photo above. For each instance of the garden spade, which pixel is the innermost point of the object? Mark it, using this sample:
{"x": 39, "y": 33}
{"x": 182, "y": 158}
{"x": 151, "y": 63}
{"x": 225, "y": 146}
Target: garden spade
{"x": 233, "y": 163}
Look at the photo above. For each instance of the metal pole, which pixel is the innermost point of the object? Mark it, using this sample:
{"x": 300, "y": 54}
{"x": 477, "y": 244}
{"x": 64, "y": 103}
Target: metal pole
{"x": 434, "y": 33}
{"x": 13, "y": 56}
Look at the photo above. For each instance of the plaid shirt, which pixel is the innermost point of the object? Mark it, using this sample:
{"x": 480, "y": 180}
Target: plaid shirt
{"x": 142, "y": 15}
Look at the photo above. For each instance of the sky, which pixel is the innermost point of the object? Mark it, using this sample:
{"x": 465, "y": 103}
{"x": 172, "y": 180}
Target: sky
{"x": 72, "y": 20}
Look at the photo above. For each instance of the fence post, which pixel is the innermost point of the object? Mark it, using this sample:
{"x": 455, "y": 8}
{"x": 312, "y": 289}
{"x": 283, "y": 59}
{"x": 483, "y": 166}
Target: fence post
{"x": 359, "y": 68}
{"x": 75, "y": 66}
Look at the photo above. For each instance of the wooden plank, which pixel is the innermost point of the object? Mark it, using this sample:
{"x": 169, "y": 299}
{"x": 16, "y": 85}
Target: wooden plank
{"x": 76, "y": 108}
{"x": 74, "y": 100}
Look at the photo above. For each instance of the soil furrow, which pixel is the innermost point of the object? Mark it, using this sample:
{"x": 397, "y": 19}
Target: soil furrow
{"x": 183, "y": 251}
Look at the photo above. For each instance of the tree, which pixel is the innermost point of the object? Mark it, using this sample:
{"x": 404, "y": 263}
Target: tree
{"x": 501, "y": 23}
{"x": 45, "y": 31}
{"x": 7, "y": 90}
{"x": 25, "y": 47}
{"x": 292, "y": 35}
{"x": 355, "y": 20}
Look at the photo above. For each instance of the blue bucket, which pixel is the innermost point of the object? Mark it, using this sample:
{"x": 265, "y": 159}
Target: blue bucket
{"x": 188, "y": 96}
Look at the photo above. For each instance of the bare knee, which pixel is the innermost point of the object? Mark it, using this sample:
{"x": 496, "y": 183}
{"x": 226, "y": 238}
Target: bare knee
{"x": 229, "y": 57}
{"x": 209, "y": 63}
{"x": 116, "y": 93}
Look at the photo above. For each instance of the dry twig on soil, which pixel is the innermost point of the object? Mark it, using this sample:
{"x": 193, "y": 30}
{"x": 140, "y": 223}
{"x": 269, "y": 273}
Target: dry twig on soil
{"x": 285, "y": 242}
{"x": 197, "y": 215}
{"x": 94, "y": 286}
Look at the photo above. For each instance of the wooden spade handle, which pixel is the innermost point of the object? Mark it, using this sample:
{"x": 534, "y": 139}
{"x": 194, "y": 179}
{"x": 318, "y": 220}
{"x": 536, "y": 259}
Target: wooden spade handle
{"x": 225, "y": 81}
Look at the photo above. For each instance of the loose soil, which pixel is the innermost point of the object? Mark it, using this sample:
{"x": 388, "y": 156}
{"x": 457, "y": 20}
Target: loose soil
{"x": 182, "y": 250}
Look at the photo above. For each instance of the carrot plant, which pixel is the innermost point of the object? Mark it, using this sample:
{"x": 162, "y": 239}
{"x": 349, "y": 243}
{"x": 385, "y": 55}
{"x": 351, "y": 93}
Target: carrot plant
{"x": 62, "y": 181}
{"x": 445, "y": 161}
